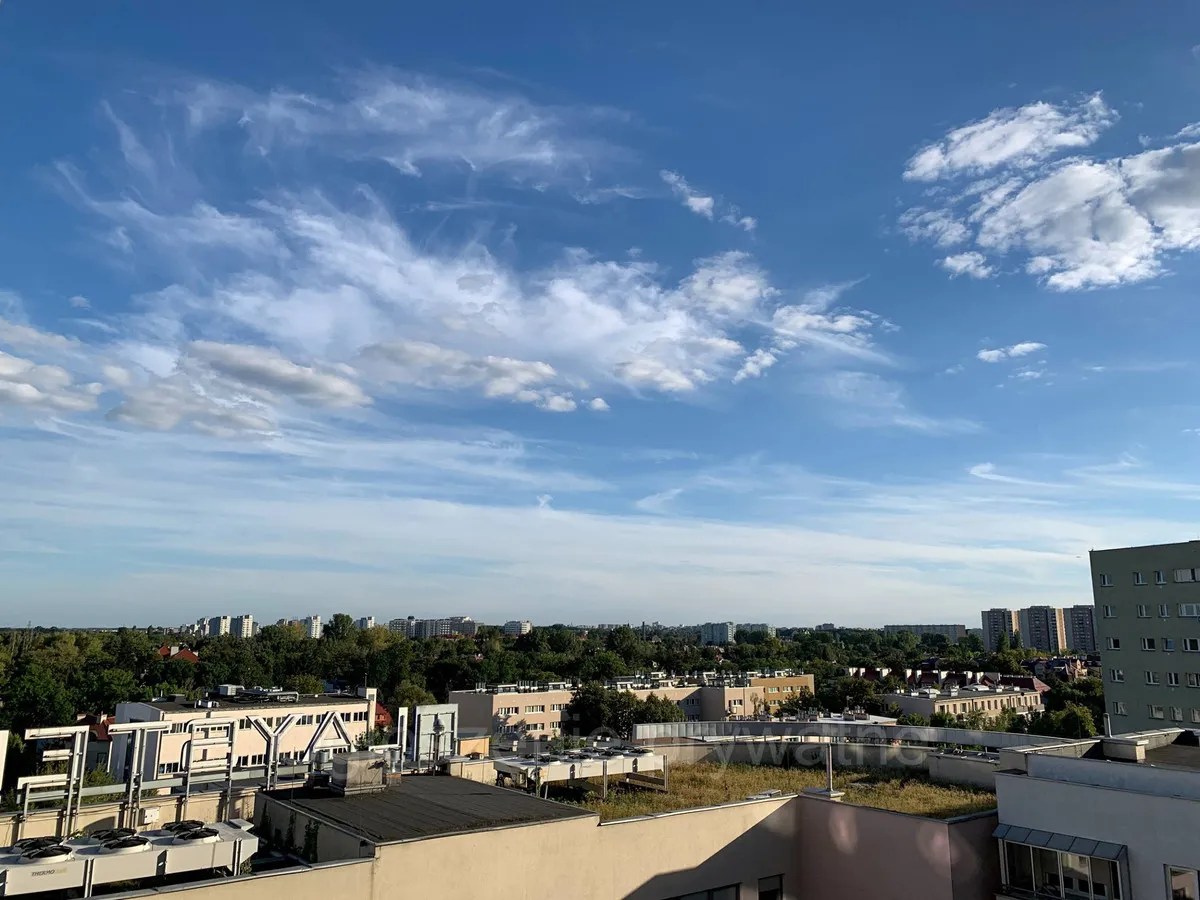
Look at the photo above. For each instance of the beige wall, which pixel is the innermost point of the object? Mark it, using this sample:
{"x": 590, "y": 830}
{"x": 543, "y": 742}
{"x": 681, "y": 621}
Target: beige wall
{"x": 855, "y": 851}
{"x": 967, "y": 701}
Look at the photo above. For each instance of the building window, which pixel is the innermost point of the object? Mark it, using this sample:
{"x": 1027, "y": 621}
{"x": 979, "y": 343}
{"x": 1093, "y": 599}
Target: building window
{"x": 1148, "y": 644}
{"x": 1191, "y": 645}
{"x": 536, "y": 709}
{"x": 1189, "y": 610}
{"x": 1110, "y": 612}
{"x": 1176, "y": 713}
{"x": 1193, "y": 679}
{"x": 1114, "y": 643}
{"x": 1164, "y": 610}
{"x": 1151, "y": 678}
{"x": 1168, "y": 644}
{"x": 1173, "y": 679}
{"x": 1160, "y": 577}
{"x": 1105, "y": 581}
{"x": 557, "y": 707}
{"x": 1156, "y": 711}
{"x": 1182, "y": 575}
{"x": 1119, "y": 708}
{"x": 1044, "y": 872}
{"x": 1143, "y": 611}
{"x": 1181, "y": 883}
{"x": 1116, "y": 675}
{"x": 1139, "y": 578}
{"x": 770, "y": 888}
{"x": 508, "y": 710}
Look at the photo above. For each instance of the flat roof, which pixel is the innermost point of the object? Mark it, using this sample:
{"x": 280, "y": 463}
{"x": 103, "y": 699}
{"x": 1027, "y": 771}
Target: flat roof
{"x": 1176, "y": 756}
{"x": 423, "y": 806}
{"x": 229, "y": 705}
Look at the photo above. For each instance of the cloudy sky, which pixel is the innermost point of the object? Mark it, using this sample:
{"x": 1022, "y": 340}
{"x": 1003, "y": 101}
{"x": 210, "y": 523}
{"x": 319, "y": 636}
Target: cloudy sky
{"x": 612, "y": 315}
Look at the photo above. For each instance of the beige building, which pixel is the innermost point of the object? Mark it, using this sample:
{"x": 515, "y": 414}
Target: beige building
{"x": 538, "y": 710}
{"x": 207, "y": 735}
{"x": 990, "y": 700}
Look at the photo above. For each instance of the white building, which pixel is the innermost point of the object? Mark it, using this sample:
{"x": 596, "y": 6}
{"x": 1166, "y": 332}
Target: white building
{"x": 720, "y": 633}
{"x": 242, "y": 626}
{"x": 523, "y": 626}
{"x": 311, "y": 626}
{"x": 218, "y": 625}
{"x": 366, "y": 622}
{"x": 1120, "y": 823}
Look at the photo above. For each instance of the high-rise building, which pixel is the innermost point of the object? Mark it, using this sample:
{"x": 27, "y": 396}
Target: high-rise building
{"x": 1042, "y": 629}
{"x": 518, "y": 626}
{"x": 218, "y": 625}
{"x": 431, "y": 628}
{"x": 1081, "y": 628}
{"x": 1147, "y": 616}
{"x": 719, "y": 633}
{"x": 366, "y": 622}
{"x": 998, "y": 622}
{"x": 463, "y": 625}
{"x": 311, "y": 626}
{"x": 406, "y": 627}
{"x": 756, "y": 628}
{"x": 952, "y": 633}
{"x": 242, "y": 626}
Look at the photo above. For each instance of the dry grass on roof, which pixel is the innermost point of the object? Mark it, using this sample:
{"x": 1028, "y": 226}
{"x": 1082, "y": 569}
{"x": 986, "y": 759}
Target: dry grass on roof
{"x": 709, "y": 784}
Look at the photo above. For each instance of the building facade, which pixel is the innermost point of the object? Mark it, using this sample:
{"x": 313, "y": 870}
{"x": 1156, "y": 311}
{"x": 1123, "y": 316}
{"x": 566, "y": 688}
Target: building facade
{"x": 1081, "y": 628}
{"x": 242, "y": 626}
{"x": 952, "y": 633}
{"x": 991, "y": 701}
{"x": 218, "y": 625}
{"x": 718, "y": 633}
{"x": 311, "y": 626}
{"x": 366, "y": 622}
{"x": 518, "y": 627}
{"x": 756, "y": 628}
{"x": 1147, "y": 602}
{"x": 539, "y": 710}
{"x": 998, "y": 622}
{"x": 1043, "y": 628}
{"x": 209, "y": 738}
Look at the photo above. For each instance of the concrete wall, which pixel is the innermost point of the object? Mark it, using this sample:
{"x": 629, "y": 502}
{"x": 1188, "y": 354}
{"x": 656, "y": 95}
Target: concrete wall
{"x": 1158, "y": 830}
{"x": 948, "y": 768}
{"x": 209, "y": 806}
{"x": 855, "y": 851}
{"x": 280, "y": 822}
{"x": 638, "y": 859}
{"x": 855, "y": 731}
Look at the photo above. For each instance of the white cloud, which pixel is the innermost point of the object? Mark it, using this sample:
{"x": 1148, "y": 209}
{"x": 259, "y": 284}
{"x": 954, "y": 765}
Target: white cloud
{"x": 970, "y": 263}
{"x": 598, "y": 404}
{"x": 79, "y": 302}
{"x": 700, "y": 204}
{"x": 1012, "y": 137}
{"x": 265, "y": 369}
{"x": 755, "y": 364}
{"x": 26, "y": 383}
{"x": 15, "y": 334}
{"x": 866, "y": 400}
{"x": 1076, "y": 223}
{"x": 746, "y": 223}
{"x": 1014, "y": 351}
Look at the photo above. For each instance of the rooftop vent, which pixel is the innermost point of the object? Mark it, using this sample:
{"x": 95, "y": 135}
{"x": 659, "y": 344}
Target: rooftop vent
{"x": 358, "y": 773}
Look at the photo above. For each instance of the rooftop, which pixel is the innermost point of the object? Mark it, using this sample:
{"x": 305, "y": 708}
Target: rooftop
{"x": 229, "y": 704}
{"x": 423, "y": 806}
{"x": 707, "y": 784}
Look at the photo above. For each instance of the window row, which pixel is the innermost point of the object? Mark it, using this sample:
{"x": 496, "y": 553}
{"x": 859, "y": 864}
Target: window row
{"x": 1158, "y": 711}
{"x": 1055, "y": 873}
{"x": 1144, "y": 611}
{"x": 1181, "y": 576}
{"x": 1192, "y": 679}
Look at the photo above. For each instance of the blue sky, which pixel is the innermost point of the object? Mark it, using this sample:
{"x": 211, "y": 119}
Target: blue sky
{"x": 591, "y": 315}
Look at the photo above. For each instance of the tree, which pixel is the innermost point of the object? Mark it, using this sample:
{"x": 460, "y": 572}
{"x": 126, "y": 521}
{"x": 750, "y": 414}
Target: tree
{"x": 912, "y": 719}
{"x": 407, "y": 694}
{"x": 103, "y": 690}
{"x": 799, "y": 702}
{"x": 587, "y": 712}
{"x": 1002, "y": 644}
{"x": 340, "y": 628}
{"x": 658, "y": 709}
{"x": 972, "y": 645}
{"x": 976, "y": 719}
{"x": 305, "y": 684}
{"x": 941, "y": 719}
{"x": 1076, "y": 721}
{"x": 36, "y": 697}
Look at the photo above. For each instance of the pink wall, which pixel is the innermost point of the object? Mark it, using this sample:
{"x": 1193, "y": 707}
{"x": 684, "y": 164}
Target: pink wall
{"x": 855, "y": 851}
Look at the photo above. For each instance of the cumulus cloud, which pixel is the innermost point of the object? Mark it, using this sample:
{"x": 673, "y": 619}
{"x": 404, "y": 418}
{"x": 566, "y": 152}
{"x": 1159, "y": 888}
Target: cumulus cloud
{"x": 78, "y": 301}
{"x": 266, "y": 369}
{"x": 1074, "y": 223}
{"x": 26, "y": 383}
{"x": 597, "y": 404}
{"x": 1024, "y": 348}
{"x": 970, "y": 263}
{"x": 1012, "y": 137}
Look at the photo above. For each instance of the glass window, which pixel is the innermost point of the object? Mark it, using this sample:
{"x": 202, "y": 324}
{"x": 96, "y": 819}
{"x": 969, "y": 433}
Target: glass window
{"x": 1018, "y": 861}
{"x": 1105, "y": 882}
{"x": 1182, "y": 883}
{"x": 1139, "y": 578}
{"x": 1164, "y": 611}
{"x": 770, "y": 888}
{"x": 1114, "y": 643}
{"x": 1160, "y": 577}
{"x": 1105, "y": 581}
{"x": 1045, "y": 871}
{"x": 1143, "y": 611}
{"x": 1077, "y": 874}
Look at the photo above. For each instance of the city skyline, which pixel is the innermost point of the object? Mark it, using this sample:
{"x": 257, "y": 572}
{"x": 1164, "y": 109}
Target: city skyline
{"x": 551, "y": 313}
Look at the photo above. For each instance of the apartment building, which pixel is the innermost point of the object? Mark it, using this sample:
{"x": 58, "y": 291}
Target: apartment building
{"x": 989, "y": 700}
{"x": 952, "y": 633}
{"x": 242, "y": 626}
{"x": 1113, "y": 817}
{"x": 311, "y": 626}
{"x": 218, "y": 625}
{"x": 517, "y": 627}
{"x": 755, "y": 628}
{"x": 998, "y": 622}
{"x": 1042, "y": 628}
{"x": 1081, "y": 628}
{"x": 209, "y": 734}
{"x": 1147, "y": 602}
{"x": 366, "y": 622}
{"x": 717, "y": 633}
{"x": 538, "y": 710}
